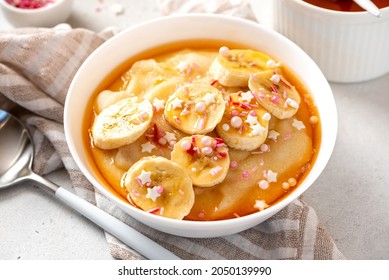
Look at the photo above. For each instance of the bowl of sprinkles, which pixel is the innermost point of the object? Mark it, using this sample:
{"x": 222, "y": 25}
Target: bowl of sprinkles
{"x": 36, "y": 13}
{"x": 200, "y": 132}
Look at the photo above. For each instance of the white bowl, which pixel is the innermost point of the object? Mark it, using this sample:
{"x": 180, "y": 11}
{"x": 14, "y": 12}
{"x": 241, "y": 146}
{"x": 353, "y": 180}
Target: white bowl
{"x": 347, "y": 46}
{"x": 188, "y": 27}
{"x": 47, "y": 16}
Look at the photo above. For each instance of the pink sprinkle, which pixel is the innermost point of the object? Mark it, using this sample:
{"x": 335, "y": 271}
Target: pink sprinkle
{"x": 274, "y": 89}
{"x": 275, "y": 99}
{"x": 176, "y": 119}
{"x": 201, "y": 214}
{"x": 220, "y": 145}
{"x": 245, "y": 106}
{"x": 253, "y": 113}
{"x": 154, "y": 210}
{"x": 288, "y": 135}
{"x": 234, "y": 113}
{"x": 284, "y": 94}
{"x": 265, "y": 173}
{"x": 139, "y": 181}
{"x": 255, "y": 168}
{"x": 159, "y": 189}
{"x": 223, "y": 154}
{"x": 215, "y": 170}
{"x": 245, "y": 174}
{"x": 234, "y": 164}
{"x": 135, "y": 193}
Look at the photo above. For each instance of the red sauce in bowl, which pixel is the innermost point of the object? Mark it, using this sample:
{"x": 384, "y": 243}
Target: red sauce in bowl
{"x": 345, "y": 5}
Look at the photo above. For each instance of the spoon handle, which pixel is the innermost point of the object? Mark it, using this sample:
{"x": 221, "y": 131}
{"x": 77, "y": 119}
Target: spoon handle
{"x": 134, "y": 239}
{"x": 369, "y": 6}
{"x": 128, "y": 235}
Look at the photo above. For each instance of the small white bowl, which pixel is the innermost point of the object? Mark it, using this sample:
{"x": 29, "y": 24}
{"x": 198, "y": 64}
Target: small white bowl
{"x": 167, "y": 30}
{"x": 47, "y": 16}
{"x": 347, "y": 46}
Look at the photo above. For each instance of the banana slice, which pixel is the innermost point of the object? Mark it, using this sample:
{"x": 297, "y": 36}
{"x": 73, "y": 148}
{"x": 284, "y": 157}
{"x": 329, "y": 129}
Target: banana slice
{"x": 232, "y": 68}
{"x": 275, "y": 93}
{"x": 205, "y": 158}
{"x": 159, "y": 186}
{"x": 121, "y": 123}
{"x": 195, "y": 108}
{"x": 245, "y": 123}
{"x": 108, "y": 97}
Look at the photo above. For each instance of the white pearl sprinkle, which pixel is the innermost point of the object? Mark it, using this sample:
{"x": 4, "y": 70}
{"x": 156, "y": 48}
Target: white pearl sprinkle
{"x": 225, "y": 127}
{"x": 200, "y": 107}
{"x": 206, "y": 141}
{"x": 162, "y": 141}
{"x": 236, "y": 122}
{"x": 186, "y": 144}
{"x": 264, "y": 148}
{"x": 263, "y": 184}
{"x": 223, "y": 51}
{"x": 275, "y": 79}
{"x": 207, "y": 151}
{"x": 266, "y": 117}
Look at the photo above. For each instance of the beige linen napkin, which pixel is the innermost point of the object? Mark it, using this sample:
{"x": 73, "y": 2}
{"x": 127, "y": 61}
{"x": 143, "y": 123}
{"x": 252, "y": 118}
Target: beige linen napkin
{"x": 36, "y": 68}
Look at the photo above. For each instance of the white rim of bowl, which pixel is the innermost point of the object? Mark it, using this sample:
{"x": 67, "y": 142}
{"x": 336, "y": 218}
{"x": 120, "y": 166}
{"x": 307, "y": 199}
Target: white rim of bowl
{"x": 208, "y": 225}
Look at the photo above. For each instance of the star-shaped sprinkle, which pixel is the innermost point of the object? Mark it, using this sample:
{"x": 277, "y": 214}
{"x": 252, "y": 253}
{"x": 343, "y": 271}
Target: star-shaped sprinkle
{"x": 257, "y": 129}
{"x": 147, "y": 147}
{"x": 260, "y": 205}
{"x": 251, "y": 120}
{"x": 298, "y": 124}
{"x": 169, "y": 136}
{"x": 182, "y": 66}
{"x": 177, "y": 103}
{"x": 209, "y": 98}
{"x": 144, "y": 177}
{"x": 271, "y": 176}
{"x": 153, "y": 193}
{"x": 273, "y": 135}
{"x": 246, "y": 96}
{"x": 159, "y": 104}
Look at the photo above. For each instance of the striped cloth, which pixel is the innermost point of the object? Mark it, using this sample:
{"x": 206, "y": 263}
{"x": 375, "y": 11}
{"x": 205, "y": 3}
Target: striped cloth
{"x": 36, "y": 68}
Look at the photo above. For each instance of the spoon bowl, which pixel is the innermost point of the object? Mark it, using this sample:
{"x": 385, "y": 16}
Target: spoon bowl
{"x": 17, "y": 155}
{"x": 16, "y": 151}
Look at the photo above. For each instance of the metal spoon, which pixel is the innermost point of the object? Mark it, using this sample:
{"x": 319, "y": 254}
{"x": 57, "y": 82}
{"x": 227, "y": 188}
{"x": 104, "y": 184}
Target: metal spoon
{"x": 369, "y": 6}
{"x": 16, "y": 157}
